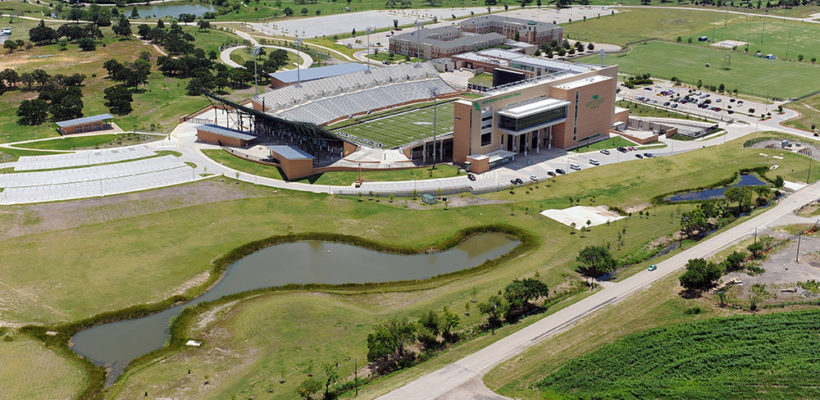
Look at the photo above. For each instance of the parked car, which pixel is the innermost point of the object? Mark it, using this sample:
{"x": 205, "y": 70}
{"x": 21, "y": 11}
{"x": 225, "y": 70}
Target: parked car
{"x": 533, "y": 178}
{"x": 605, "y": 152}
{"x": 675, "y": 105}
{"x": 550, "y": 173}
{"x": 652, "y": 267}
{"x": 648, "y": 155}
{"x": 471, "y": 177}
{"x": 622, "y": 149}
{"x": 666, "y": 104}
{"x": 560, "y": 171}
{"x": 639, "y": 156}
{"x": 575, "y": 167}
{"x": 594, "y": 161}
{"x": 630, "y": 148}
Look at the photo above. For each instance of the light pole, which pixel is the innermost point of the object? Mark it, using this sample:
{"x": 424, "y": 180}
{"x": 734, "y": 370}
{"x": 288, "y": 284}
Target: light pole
{"x": 256, "y": 51}
{"x": 369, "y": 30}
{"x": 298, "y": 63}
{"x": 419, "y": 24}
{"x": 434, "y": 93}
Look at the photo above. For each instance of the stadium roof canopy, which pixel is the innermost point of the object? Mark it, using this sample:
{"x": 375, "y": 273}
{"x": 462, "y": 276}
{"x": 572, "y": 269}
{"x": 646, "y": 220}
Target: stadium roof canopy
{"x": 291, "y": 152}
{"x": 227, "y": 132}
{"x": 310, "y": 74}
{"x": 85, "y": 120}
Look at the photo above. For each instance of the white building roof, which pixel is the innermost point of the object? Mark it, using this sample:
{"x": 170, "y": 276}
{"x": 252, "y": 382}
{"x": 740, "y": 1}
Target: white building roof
{"x": 534, "y": 108}
{"x": 583, "y": 82}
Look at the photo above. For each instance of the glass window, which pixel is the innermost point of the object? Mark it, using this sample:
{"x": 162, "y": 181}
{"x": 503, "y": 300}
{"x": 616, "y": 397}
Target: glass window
{"x": 519, "y": 124}
{"x": 486, "y": 138}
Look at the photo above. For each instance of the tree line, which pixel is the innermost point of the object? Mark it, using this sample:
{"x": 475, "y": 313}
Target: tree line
{"x": 59, "y": 96}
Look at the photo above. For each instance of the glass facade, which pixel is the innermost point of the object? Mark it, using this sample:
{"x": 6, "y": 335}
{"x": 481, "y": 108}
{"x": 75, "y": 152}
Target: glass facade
{"x": 520, "y": 124}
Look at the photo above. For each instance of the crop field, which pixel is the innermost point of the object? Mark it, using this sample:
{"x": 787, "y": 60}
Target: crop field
{"x": 762, "y": 356}
{"x": 747, "y": 74}
{"x": 406, "y": 127}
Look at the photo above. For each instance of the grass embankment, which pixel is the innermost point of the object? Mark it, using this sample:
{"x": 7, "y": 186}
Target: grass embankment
{"x": 642, "y": 110}
{"x": 157, "y": 105}
{"x": 342, "y": 178}
{"x": 92, "y": 142}
{"x": 7, "y": 154}
{"x": 32, "y": 371}
{"x": 748, "y": 356}
{"x": 809, "y": 109}
{"x": 611, "y": 143}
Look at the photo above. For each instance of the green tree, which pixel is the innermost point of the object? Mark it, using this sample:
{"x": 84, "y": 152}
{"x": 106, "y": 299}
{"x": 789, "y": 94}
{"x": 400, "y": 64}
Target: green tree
{"x": 449, "y": 322}
{"x": 700, "y": 275}
{"x": 331, "y": 377}
{"x": 388, "y": 339}
{"x": 118, "y": 99}
{"x": 519, "y": 293}
{"x": 10, "y": 45}
{"x": 778, "y": 181}
{"x": 694, "y": 221}
{"x": 32, "y": 112}
{"x": 308, "y": 388}
{"x": 135, "y": 13}
{"x": 87, "y": 44}
{"x": 738, "y": 195}
{"x": 595, "y": 261}
{"x": 735, "y": 260}
{"x": 122, "y": 28}
{"x": 493, "y": 309}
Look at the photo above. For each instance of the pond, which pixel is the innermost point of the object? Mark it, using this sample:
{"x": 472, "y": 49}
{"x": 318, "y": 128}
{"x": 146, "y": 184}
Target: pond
{"x": 715, "y": 193}
{"x": 115, "y": 344}
{"x": 171, "y": 10}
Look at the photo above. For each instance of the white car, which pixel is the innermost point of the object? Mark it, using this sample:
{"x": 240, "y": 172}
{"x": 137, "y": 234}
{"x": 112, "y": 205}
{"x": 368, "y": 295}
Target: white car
{"x": 594, "y": 161}
{"x": 5, "y": 32}
{"x": 575, "y": 167}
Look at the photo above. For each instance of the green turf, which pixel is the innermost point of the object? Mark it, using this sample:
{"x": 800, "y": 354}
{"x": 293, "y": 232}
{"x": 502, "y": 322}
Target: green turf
{"x": 333, "y": 178}
{"x": 484, "y": 79}
{"x": 403, "y": 128}
{"x": 611, "y": 143}
{"x": 747, "y": 74}
{"x": 739, "y": 357}
{"x": 32, "y": 371}
{"x": 91, "y": 142}
{"x": 809, "y": 109}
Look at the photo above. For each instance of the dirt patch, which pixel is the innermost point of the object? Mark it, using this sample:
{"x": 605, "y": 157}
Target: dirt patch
{"x": 638, "y": 207}
{"x": 37, "y": 218}
{"x": 211, "y": 315}
{"x": 197, "y": 280}
{"x": 809, "y": 210}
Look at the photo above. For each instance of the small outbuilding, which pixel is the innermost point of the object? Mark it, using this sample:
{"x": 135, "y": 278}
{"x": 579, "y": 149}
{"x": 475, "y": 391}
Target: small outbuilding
{"x": 218, "y": 135}
{"x": 92, "y": 123}
{"x": 294, "y": 162}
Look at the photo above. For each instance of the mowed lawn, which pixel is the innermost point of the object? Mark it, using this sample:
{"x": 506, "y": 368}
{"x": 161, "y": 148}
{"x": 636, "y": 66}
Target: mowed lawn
{"x": 747, "y": 74}
{"x": 406, "y": 127}
{"x": 29, "y": 370}
{"x": 91, "y": 141}
{"x": 809, "y": 109}
{"x": 342, "y": 178}
{"x": 611, "y": 143}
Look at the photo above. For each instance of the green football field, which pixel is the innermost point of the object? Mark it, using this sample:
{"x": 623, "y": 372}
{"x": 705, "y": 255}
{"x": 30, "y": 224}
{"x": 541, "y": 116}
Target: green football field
{"x": 406, "y": 127}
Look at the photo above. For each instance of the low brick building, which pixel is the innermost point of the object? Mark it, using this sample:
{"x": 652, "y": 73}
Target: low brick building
{"x": 218, "y": 135}
{"x": 92, "y": 123}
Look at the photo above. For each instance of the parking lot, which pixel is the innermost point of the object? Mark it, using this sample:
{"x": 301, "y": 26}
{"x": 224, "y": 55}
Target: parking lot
{"x": 714, "y": 106}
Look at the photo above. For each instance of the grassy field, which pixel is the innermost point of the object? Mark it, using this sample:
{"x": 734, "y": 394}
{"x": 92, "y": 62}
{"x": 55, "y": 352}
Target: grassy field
{"x": 767, "y": 35}
{"x": 748, "y": 356}
{"x": 611, "y": 143}
{"x": 332, "y": 178}
{"x": 809, "y": 109}
{"x": 120, "y": 259}
{"x": 7, "y": 154}
{"x": 242, "y": 55}
{"x": 160, "y": 103}
{"x": 32, "y": 371}
{"x": 91, "y": 142}
{"x": 747, "y": 74}
{"x": 403, "y": 128}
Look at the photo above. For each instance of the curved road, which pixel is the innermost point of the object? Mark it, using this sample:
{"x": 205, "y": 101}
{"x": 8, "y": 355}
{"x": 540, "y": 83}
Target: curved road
{"x": 458, "y": 380}
{"x": 225, "y": 55}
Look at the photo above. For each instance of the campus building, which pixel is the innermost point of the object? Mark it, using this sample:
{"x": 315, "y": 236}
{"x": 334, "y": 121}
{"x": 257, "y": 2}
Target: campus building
{"x": 286, "y": 78}
{"x": 531, "y": 67}
{"x": 520, "y": 30}
{"x": 92, "y": 123}
{"x": 565, "y": 109}
{"x": 442, "y": 42}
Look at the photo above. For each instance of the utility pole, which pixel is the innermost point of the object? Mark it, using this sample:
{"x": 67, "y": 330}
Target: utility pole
{"x": 256, "y": 51}
{"x": 369, "y": 30}
{"x": 797, "y": 254}
{"x": 298, "y": 62}
{"x": 419, "y": 24}
{"x": 434, "y": 93}
{"x": 356, "y": 376}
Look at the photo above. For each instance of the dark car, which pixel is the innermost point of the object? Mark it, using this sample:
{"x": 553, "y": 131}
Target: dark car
{"x": 561, "y": 171}
{"x": 513, "y": 181}
{"x": 622, "y": 150}
{"x": 638, "y": 155}
{"x": 519, "y": 181}
{"x": 648, "y": 155}
{"x": 550, "y": 173}
{"x": 471, "y": 177}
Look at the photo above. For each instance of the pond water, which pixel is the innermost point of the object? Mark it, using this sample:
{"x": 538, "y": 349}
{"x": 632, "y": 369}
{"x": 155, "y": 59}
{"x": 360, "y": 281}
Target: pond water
{"x": 115, "y": 344}
{"x": 171, "y": 10}
{"x": 714, "y": 193}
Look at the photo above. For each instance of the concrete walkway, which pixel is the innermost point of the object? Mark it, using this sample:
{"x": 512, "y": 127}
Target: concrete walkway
{"x": 441, "y": 384}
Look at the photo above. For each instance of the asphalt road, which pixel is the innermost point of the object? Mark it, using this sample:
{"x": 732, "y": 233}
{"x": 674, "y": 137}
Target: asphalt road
{"x": 454, "y": 377}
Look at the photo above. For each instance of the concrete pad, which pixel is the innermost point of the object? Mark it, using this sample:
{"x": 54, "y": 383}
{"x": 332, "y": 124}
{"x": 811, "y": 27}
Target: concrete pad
{"x": 581, "y": 214}
{"x": 793, "y": 185}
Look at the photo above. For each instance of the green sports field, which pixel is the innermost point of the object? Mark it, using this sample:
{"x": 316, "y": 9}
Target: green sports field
{"x": 403, "y": 128}
{"x": 747, "y": 74}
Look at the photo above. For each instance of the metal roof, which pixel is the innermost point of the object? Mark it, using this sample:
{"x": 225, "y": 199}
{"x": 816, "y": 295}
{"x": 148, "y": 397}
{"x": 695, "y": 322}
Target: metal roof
{"x": 225, "y": 132}
{"x": 310, "y": 74}
{"x": 432, "y": 36}
{"x": 290, "y": 152}
{"x": 84, "y": 120}
{"x": 535, "y": 107}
